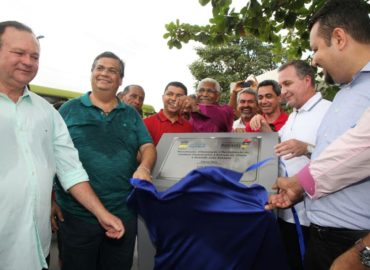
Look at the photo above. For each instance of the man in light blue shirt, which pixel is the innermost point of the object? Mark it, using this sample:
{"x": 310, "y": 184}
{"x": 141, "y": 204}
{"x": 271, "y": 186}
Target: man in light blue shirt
{"x": 34, "y": 145}
{"x": 340, "y": 40}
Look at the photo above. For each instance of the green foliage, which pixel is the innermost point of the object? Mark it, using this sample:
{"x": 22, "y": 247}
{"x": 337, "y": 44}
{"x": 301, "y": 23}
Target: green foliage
{"x": 232, "y": 62}
{"x": 277, "y": 22}
{"x": 281, "y": 23}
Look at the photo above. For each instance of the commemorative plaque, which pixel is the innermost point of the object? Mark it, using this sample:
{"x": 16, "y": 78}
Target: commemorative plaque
{"x": 180, "y": 153}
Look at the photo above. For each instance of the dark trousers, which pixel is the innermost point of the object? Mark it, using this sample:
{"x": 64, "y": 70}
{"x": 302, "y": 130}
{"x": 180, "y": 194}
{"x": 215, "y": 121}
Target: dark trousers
{"x": 289, "y": 235}
{"x": 326, "y": 244}
{"x": 84, "y": 246}
{"x": 47, "y": 261}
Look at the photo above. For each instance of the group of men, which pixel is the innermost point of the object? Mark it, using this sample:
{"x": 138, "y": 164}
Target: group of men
{"x": 97, "y": 137}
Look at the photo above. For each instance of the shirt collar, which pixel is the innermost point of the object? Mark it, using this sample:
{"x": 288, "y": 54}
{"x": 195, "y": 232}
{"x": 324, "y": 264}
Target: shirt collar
{"x": 366, "y": 68}
{"x": 162, "y": 117}
{"x": 312, "y": 102}
{"x": 86, "y": 101}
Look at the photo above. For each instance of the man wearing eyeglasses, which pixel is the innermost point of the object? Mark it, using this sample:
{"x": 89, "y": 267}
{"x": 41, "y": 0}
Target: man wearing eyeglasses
{"x": 169, "y": 120}
{"x": 108, "y": 134}
{"x": 207, "y": 115}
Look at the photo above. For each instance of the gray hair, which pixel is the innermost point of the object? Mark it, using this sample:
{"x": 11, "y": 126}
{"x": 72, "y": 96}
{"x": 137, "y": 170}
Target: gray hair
{"x": 247, "y": 91}
{"x": 210, "y": 80}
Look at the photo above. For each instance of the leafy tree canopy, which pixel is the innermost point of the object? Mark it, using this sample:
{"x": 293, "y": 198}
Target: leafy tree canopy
{"x": 278, "y": 22}
{"x": 232, "y": 62}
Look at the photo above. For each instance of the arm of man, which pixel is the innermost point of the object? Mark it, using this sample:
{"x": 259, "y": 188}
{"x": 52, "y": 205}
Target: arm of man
{"x": 259, "y": 123}
{"x": 235, "y": 88}
{"x": 291, "y": 148}
{"x": 85, "y": 195}
{"x": 148, "y": 157}
{"x": 351, "y": 259}
{"x": 344, "y": 162}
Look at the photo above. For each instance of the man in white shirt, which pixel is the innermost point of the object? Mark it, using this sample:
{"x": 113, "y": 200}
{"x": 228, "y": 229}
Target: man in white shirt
{"x": 247, "y": 107}
{"x": 298, "y": 136}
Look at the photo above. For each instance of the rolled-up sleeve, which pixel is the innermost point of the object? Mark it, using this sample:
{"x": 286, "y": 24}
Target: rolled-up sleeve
{"x": 68, "y": 165}
{"x": 344, "y": 162}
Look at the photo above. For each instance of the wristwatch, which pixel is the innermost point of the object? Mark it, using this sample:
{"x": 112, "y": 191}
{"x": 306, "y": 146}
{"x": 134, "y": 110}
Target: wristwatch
{"x": 364, "y": 252}
{"x": 310, "y": 149}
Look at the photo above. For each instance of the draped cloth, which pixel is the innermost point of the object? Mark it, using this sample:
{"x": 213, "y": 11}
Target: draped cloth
{"x": 208, "y": 220}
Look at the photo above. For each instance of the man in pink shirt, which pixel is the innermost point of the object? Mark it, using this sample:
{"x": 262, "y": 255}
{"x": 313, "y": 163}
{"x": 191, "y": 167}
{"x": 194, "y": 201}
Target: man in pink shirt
{"x": 207, "y": 115}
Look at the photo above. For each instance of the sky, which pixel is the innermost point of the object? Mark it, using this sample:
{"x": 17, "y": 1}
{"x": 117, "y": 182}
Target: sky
{"x": 75, "y": 32}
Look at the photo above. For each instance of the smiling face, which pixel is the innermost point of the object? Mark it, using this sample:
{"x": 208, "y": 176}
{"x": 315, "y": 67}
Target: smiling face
{"x": 295, "y": 90}
{"x": 326, "y": 56}
{"x": 247, "y": 106}
{"x": 207, "y": 93}
{"x": 19, "y": 58}
{"x": 105, "y": 75}
{"x": 268, "y": 101}
{"x": 170, "y": 99}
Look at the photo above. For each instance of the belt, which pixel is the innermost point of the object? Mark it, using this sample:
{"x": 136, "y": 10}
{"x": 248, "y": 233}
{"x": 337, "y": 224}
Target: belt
{"x": 330, "y": 229}
{"x": 327, "y": 231}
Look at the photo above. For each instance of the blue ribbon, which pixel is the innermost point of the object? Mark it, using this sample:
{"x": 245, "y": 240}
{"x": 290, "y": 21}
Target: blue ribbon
{"x": 258, "y": 164}
{"x": 298, "y": 227}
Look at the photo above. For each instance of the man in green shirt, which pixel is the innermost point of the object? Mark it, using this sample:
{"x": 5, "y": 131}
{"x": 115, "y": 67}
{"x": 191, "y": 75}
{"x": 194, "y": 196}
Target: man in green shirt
{"x": 108, "y": 135}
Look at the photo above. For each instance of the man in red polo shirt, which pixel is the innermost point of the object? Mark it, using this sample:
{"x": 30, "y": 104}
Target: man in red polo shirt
{"x": 269, "y": 100}
{"x": 169, "y": 120}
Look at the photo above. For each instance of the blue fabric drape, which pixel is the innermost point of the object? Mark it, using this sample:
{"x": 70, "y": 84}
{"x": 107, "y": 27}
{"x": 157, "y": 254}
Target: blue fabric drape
{"x": 208, "y": 220}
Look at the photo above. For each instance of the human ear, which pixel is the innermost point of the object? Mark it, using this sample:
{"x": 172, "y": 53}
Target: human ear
{"x": 339, "y": 38}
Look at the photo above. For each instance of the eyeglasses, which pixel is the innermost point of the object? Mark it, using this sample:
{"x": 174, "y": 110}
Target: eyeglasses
{"x": 208, "y": 91}
{"x": 110, "y": 70}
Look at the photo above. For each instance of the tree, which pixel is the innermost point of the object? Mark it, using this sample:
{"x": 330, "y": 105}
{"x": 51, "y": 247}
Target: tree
{"x": 278, "y": 22}
{"x": 232, "y": 62}
{"x": 281, "y": 23}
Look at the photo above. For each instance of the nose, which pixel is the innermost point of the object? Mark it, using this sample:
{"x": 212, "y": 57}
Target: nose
{"x": 313, "y": 62}
{"x": 283, "y": 91}
{"x": 28, "y": 60}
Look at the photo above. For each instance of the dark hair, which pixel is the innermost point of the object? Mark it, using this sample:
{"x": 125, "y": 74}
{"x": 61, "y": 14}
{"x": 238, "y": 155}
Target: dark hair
{"x": 249, "y": 91}
{"x": 126, "y": 90}
{"x": 274, "y": 84}
{"x": 302, "y": 69}
{"x": 15, "y": 24}
{"x": 177, "y": 84}
{"x": 113, "y": 56}
{"x": 351, "y": 15}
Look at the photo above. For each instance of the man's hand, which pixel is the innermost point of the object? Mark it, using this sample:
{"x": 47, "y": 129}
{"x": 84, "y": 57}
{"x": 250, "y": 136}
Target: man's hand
{"x": 289, "y": 193}
{"x": 239, "y": 130}
{"x": 55, "y": 215}
{"x": 142, "y": 173}
{"x": 85, "y": 195}
{"x": 187, "y": 104}
{"x": 291, "y": 148}
{"x": 259, "y": 123}
{"x": 112, "y": 224}
{"x": 236, "y": 87}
